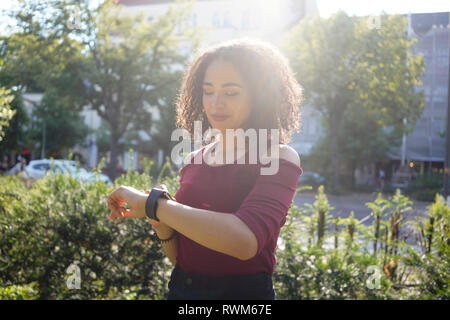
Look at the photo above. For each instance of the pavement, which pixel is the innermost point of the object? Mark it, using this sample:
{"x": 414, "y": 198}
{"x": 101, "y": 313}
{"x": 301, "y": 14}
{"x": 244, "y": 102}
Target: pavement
{"x": 343, "y": 205}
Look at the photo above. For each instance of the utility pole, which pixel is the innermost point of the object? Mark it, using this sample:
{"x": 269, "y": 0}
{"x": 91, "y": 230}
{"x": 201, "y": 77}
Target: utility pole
{"x": 447, "y": 129}
{"x": 44, "y": 138}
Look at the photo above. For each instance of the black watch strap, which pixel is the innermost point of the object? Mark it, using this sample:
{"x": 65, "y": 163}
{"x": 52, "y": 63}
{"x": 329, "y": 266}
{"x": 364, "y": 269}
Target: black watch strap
{"x": 151, "y": 204}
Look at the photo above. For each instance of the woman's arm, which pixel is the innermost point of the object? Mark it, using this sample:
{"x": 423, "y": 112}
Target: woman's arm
{"x": 217, "y": 231}
{"x": 222, "y": 232}
{"x": 163, "y": 231}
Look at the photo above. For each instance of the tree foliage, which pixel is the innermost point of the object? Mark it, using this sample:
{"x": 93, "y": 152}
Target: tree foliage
{"x": 362, "y": 80}
{"x": 16, "y": 135}
{"x": 41, "y": 59}
{"x": 133, "y": 66}
{"x": 6, "y": 113}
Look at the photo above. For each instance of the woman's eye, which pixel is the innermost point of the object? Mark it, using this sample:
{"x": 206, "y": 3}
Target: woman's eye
{"x": 230, "y": 94}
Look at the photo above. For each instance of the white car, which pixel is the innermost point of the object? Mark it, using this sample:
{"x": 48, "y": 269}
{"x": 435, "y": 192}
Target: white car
{"x": 37, "y": 169}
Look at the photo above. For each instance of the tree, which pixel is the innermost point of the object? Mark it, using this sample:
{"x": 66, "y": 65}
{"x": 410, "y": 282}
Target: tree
{"x": 131, "y": 65}
{"x": 6, "y": 113}
{"x": 57, "y": 125}
{"x": 15, "y": 135}
{"x": 79, "y": 53}
{"x": 360, "y": 77}
{"x": 34, "y": 64}
{"x": 39, "y": 57}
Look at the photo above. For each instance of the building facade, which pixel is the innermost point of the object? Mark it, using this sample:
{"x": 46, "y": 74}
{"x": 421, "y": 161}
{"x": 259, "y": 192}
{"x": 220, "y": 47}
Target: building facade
{"x": 424, "y": 147}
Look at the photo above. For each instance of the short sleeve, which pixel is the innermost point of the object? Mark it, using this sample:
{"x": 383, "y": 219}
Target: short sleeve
{"x": 265, "y": 208}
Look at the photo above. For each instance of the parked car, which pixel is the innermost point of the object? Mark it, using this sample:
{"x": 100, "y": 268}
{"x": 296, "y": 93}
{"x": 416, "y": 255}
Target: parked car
{"x": 311, "y": 179}
{"x": 37, "y": 169}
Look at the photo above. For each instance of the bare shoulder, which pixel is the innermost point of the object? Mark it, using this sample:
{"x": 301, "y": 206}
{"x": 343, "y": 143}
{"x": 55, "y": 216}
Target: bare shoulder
{"x": 288, "y": 153}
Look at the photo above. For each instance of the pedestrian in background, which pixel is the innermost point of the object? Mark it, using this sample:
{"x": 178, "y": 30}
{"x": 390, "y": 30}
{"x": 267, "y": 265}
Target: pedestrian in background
{"x": 381, "y": 177}
{"x": 19, "y": 167}
{"x": 4, "y": 167}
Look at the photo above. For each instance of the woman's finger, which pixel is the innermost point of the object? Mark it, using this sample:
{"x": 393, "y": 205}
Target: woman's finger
{"x": 111, "y": 207}
{"x": 129, "y": 213}
{"x": 115, "y": 208}
{"x": 113, "y": 215}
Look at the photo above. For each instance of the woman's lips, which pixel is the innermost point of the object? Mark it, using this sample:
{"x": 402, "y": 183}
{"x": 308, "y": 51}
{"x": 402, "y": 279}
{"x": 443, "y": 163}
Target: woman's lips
{"x": 219, "y": 118}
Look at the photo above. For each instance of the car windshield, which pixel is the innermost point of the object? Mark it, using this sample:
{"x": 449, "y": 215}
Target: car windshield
{"x": 71, "y": 167}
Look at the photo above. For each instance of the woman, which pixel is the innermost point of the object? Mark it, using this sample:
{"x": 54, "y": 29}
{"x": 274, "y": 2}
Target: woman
{"x": 221, "y": 229}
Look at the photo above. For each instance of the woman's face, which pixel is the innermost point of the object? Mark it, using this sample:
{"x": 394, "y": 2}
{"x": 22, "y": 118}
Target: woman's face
{"x": 226, "y": 96}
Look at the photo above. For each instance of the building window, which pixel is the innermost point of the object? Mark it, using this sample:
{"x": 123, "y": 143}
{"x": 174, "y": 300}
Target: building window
{"x": 245, "y": 21}
{"x": 227, "y": 20}
{"x": 194, "y": 20}
{"x": 216, "y": 20}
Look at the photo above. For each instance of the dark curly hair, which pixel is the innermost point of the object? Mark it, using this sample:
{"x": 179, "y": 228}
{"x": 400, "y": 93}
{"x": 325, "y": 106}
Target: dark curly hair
{"x": 275, "y": 93}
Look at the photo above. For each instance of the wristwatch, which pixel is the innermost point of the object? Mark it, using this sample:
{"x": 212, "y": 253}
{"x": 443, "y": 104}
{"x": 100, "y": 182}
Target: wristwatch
{"x": 152, "y": 202}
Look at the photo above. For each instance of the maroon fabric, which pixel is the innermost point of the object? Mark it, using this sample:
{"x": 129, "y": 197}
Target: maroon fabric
{"x": 260, "y": 201}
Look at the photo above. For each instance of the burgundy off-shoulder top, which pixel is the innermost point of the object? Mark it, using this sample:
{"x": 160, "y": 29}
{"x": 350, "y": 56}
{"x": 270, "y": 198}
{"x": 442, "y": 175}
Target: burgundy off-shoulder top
{"x": 260, "y": 201}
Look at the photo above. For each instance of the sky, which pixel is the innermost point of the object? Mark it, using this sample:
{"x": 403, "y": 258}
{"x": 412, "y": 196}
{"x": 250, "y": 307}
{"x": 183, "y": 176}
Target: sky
{"x": 373, "y": 7}
{"x": 363, "y": 7}
{"x": 352, "y": 7}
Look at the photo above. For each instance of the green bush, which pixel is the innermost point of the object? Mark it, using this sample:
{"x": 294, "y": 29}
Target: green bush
{"x": 425, "y": 187}
{"x": 316, "y": 264}
{"x": 60, "y": 222}
{"x": 14, "y": 292}
{"x": 323, "y": 258}
{"x": 432, "y": 261}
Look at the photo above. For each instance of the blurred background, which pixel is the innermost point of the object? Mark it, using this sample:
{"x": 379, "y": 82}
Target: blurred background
{"x": 99, "y": 79}
{"x": 89, "y": 88}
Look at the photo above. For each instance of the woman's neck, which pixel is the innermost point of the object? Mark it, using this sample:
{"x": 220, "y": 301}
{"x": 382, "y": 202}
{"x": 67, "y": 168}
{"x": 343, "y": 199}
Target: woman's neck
{"x": 232, "y": 149}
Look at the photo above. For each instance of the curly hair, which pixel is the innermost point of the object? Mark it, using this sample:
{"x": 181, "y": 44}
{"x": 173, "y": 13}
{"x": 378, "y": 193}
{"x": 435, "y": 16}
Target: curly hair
{"x": 275, "y": 93}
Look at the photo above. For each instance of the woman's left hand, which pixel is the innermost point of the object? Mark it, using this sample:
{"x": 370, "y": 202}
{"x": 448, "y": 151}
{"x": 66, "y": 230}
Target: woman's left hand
{"x": 127, "y": 195}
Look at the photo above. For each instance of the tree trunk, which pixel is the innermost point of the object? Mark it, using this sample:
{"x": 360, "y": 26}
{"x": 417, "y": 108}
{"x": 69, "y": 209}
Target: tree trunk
{"x": 335, "y": 161}
{"x": 113, "y": 149}
{"x": 113, "y": 145}
{"x": 353, "y": 177}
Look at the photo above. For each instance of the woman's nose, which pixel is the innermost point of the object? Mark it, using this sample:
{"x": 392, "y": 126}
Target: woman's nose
{"x": 216, "y": 100}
